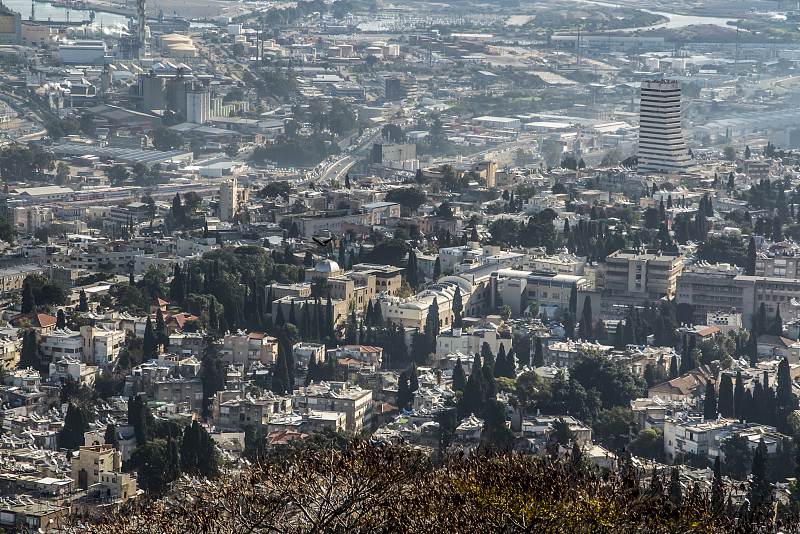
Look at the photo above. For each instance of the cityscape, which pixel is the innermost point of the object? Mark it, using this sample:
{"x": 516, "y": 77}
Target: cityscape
{"x": 357, "y": 266}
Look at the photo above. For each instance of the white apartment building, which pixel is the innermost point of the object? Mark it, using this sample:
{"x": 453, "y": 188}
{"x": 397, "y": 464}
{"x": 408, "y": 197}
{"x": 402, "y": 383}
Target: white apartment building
{"x": 74, "y": 367}
{"x": 471, "y": 342}
{"x": 355, "y": 402}
{"x": 62, "y": 343}
{"x": 102, "y": 346}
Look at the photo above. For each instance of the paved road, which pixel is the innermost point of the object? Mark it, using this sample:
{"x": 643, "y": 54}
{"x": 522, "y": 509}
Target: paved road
{"x": 343, "y": 164}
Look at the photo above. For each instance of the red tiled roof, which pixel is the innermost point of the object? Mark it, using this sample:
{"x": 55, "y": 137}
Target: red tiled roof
{"x": 692, "y": 382}
{"x": 707, "y": 331}
{"x": 41, "y": 320}
{"x": 350, "y": 361}
{"x": 178, "y": 319}
{"x": 362, "y": 348}
{"x": 284, "y": 436}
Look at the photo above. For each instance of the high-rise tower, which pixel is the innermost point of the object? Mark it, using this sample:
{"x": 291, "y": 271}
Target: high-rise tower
{"x": 661, "y": 144}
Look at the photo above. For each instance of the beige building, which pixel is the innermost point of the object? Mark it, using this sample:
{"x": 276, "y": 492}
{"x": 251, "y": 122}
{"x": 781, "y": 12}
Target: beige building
{"x": 185, "y": 391}
{"x": 413, "y": 311}
{"x": 486, "y": 170}
{"x": 249, "y": 348}
{"x": 91, "y": 462}
{"x": 651, "y": 274}
{"x": 102, "y": 346}
{"x": 231, "y": 199}
{"x": 33, "y": 34}
{"x": 238, "y": 413}
{"x": 13, "y": 278}
{"x": 778, "y": 266}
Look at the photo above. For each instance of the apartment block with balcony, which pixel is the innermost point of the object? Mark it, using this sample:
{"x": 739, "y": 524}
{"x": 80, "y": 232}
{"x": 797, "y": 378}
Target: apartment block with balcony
{"x": 708, "y": 289}
{"x": 354, "y": 401}
{"x": 646, "y": 274}
{"x": 248, "y": 348}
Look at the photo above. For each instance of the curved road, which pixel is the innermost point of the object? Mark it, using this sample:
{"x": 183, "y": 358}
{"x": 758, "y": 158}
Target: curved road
{"x": 342, "y": 165}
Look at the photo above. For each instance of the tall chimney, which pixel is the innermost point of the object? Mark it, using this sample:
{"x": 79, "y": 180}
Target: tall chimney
{"x": 140, "y": 6}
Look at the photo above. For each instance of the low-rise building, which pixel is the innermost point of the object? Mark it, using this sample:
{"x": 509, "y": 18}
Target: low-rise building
{"x": 470, "y": 341}
{"x": 73, "y": 367}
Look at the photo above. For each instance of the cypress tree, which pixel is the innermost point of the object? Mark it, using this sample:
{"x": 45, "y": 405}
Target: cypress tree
{"x": 725, "y": 404}
{"x": 511, "y": 364}
{"x": 573, "y": 299}
{"x": 292, "y": 317}
{"x": 738, "y": 396}
{"x": 760, "y": 491}
{"x": 432, "y": 320}
{"x": 476, "y": 366}
{"x": 329, "y": 323}
{"x": 776, "y": 328}
{"x": 750, "y": 265}
{"x": 458, "y": 309}
{"x": 784, "y": 396}
{"x": 673, "y": 367}
{"x": 404, "y": 394}
{"x": 29, "y": 353}
{"x": 523, "y": 352}
{"x": 759, "y": 404}
{"x": 61, "y": 320}
{"x": 486, "y": 354}
{"x": 459, "y": 378}
{"x": 27, "y": 298}
{"x": 500, "y": 365}
{"x": 213, "y": 319}
{"x": 437, "y": 269}
{"x": 280, "y": 375}
{"x": 411, "y": 270}
{"x": 279, "y": 318}
{"x": 176, "y": 287}
{"x": 569, "y": 326}
{"x": 75, "y": 424}
{"x": 585, "y": 328}
{"x": 538, "y": 355}
{"x": 212, "y": 374}
{"x": 162, "y": 336}
{"x": 150, "y": 342}
{"x": 111, "y": 437}
{"x": 710, "y": 402}
{"x": 377, "y": 315}
{"x": 311, "y": 373}
{"x": 368, "y": 314}
{"x": 190, "y": 449}
{"x": 752, "y": 349}
{"x": 83, "y": 305}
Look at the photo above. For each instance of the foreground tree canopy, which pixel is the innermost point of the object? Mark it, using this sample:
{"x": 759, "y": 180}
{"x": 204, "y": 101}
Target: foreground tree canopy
{"x": 366, "y": 487}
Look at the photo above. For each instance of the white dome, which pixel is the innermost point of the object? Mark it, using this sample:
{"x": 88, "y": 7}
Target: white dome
{"x": 327, "y": 266}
